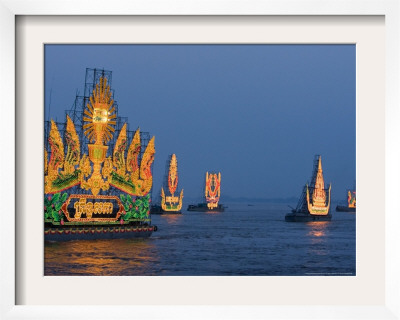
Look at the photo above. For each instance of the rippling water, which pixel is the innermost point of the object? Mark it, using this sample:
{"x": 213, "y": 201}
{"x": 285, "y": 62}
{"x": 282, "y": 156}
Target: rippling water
{"x": 243, "y": 240}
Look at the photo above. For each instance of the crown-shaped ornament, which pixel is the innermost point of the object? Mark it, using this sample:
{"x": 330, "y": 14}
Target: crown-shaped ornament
{"x": 95, "y": 171}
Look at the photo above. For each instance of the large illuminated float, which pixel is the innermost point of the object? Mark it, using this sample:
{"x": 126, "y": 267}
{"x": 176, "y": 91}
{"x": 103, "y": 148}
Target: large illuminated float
{"x": 92, "y": 196}
{"x": 212, "y": 195}
{"x": 170, "y": 203}
{"x": 314, "y": 203}
{"x": 351, "y": 203}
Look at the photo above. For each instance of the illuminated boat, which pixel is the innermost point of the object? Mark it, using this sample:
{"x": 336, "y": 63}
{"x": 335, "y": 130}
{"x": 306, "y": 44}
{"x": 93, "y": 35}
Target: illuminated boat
{"x": 98, "y": 194}
{"x": 212, "y": 195}
{"x": 170, "y": 203}
{"x": 314, "y": 203}
{"x": 351, "y": 203}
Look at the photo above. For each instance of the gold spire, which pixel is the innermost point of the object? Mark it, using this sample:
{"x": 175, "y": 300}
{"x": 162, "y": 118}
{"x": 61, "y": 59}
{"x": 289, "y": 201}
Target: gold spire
{"x": 173, "y": 175}
{"x": 99, "y": 114}
{"x": 95, "y": 171}
{"x": 172, "y": 202}
{"x": 318, "y": 203}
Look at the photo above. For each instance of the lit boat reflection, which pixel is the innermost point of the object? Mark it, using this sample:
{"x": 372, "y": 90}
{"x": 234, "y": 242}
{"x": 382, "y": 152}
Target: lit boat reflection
{"x": 171, "y": 218}
{"x": 317, "y": 231}
{"x": 99, "y": 257}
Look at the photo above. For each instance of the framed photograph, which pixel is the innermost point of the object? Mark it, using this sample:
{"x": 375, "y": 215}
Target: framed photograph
{"x": 30, "y": 30}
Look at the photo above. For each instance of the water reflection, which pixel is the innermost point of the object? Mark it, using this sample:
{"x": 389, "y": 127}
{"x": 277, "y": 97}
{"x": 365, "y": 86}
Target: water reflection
{"x": 217, "y": 244}
{"x": 171, "y": 218}
{"x": 99, "y": 257}
{"x": 213, "y": 213}
{"x": 317, "y": 229}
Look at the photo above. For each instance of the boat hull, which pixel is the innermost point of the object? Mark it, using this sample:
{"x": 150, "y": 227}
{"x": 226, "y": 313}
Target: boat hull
{"x": 158, "y": 210}
{"x": 203, "y": 208}
{"x": 95, "y": 233}
{"x": 345, "y": 209}
{"x": 172, "y": 212}
{"x": 306, "y": 217}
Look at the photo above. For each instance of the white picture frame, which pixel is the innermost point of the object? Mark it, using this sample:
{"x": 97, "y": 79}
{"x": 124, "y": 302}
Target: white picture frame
{"x": 8, "y": 12}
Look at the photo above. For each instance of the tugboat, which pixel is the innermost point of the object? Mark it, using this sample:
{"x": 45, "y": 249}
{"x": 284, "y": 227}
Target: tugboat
{"x": 314, "y": 203}
{"x": 170, "y": 204}
{"x": 96, "y": 195}
{"x": 212, "y": 195}
{"x": 351, "y": 203}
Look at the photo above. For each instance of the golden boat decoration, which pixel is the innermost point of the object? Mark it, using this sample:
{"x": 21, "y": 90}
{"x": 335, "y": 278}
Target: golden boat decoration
{"x": 351, "y": 203}
{"x": 314, "y": 203}
{"x": 212, "y": 194}
{"x": 98, "y": 187}
{"x": 171, "y": 203}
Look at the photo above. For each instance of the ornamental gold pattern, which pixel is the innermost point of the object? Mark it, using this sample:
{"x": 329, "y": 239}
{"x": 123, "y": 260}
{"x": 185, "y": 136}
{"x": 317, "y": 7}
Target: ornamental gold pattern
{"x": 100, "y": 112}
{"x": 56, "y": 161}
{"x": 146, "y": 178}
{"x": 107, "y": 208}
{"x": 133, "y": 184}
{"x": 73, "y": 147}
{"x": 173, "y": 175}
{"x": 57, "y": 148}
{"x": 119, "y": 152}
{"x": 172, "y": 203}
{"x": 213, "y": 189}
{"x": 95, "y": 171}
{"x": 318, "y": 204}
{"x": 133, "y": 156}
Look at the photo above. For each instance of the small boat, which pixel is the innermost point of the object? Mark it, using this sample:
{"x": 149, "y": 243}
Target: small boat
{"x": 351, "y": 203}
{"x": 170, "y": 203}
{"x": 314, "y": 203}
{"x": 212, "y": 195}
{"x": 202, "y": 207}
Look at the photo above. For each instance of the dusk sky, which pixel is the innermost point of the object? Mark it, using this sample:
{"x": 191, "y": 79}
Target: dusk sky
{"x": 256, "y": 113}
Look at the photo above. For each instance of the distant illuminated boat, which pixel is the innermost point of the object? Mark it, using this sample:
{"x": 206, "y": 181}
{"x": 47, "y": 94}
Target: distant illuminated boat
{"x": 170, "y": 203}
{"x": 351, "y": 203}
{"x": 212, "y": 195}
{"x": 314, "y": 203}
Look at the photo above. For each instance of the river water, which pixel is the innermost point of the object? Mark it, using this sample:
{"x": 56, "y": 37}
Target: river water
{"x": 243, "y": 240}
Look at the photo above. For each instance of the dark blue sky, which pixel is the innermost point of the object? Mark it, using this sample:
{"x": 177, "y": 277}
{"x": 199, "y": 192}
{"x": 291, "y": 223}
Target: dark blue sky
{"x": 256, "y": 113}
